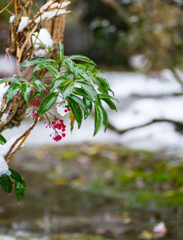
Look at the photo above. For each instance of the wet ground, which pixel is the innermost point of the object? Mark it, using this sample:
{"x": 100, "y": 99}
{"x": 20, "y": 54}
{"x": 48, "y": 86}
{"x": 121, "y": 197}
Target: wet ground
{"x": 61, "y": 204}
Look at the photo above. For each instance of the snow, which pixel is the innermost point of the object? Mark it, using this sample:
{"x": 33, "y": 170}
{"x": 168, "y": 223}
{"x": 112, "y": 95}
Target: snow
{"x": 61, "y": 108}
{"x": 3, "y": 90}
{"x": 43, "y": 37}
{"x": 23, "y": 23}
{"x": 4, "y": 117}
{"x": 4, "y": 169}
{"x": 53, "y": 5}
{"x": 50, "y": 14}
{"x": 40, "y": 52}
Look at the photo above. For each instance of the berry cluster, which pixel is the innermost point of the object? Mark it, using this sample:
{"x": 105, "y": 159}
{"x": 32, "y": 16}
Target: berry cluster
{"x": 57, "y": 124}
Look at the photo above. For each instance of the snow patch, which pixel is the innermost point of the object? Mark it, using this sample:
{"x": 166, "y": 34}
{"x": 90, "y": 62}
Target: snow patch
{"x": 4, "y": 169}
{"x": 43, "y": 37}
{"x": 3, "y": 90}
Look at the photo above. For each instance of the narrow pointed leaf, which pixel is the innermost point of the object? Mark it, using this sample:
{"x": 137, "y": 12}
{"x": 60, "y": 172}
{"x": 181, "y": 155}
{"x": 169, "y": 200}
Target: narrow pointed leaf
{"x": 88, "y": 107}
{"x": 15, "y": 79}
{"x": 103, "y": 96}
{"x": 101, "y": 85}
{"x": 75, "y": 110}
{"x": 6, "y": 183}
{"x": 81, "y": 92}
{"x": 78, "y": 101}
{"x": 20, "y": 189}
{"x": 34, "y": 76}
{"x": 34, "y": 61}
{"x": 60, "y": 51}
{"x": 82, "y": 58}
{"x": 55, "y": 73}
{"x": 89, "y": 89}
{"x": 67, "y": 89}
{"x": 105, "y": 118}
{"x": 2, "y": 140}
{"x": 38, "y": 84}
{"x": 47, "y": 103}
{"x": 58, "y": 83}
{"x": 98, "y": 120}
{"x": 84, "y": 76}
{"x": 12, "y": 91}
{"x": 26, "y": 91}
{"x": 16, "y": 176}
{"x": 110, "y": 103}
{"x": 69, "y": 63}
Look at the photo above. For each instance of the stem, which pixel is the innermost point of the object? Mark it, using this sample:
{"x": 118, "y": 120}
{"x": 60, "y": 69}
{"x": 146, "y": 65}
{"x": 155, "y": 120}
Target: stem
{"x": 22, "y": 136}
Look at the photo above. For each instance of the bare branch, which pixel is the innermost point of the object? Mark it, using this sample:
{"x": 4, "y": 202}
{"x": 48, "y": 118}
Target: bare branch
{"x": 178, "y": 125}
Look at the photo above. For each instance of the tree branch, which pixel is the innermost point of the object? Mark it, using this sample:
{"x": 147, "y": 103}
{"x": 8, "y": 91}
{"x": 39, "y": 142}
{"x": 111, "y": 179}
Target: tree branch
{"x": 178, "y": 125}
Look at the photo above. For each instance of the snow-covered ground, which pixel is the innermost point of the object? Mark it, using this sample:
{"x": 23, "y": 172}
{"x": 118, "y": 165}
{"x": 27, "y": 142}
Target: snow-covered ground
{"x": 132, "y": 112}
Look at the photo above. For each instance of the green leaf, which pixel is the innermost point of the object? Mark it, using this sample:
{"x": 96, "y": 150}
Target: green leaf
{"x": 81, "y": 92}
{"x": 90, "y": 68}
{"x": 20, "y": 189}
{"x": 60, "y": 52}
{"x": 101, "y": 86}
{"x": 37, "y": 94}
{"x": 98, "y": 120}
{"x": 68, "y": 74}
{"x": 109, "y": 103}
{"x": 105, "y": 118}
{"x": 69, "y": 63}
{"x": 15, "y": 79}
{"x": 82, "y": 58}
{"x": 75, "y": 110}
{"x": 78, "y": 101}
{"x": 34, "y": 76}
{"x": 2, "y": 140}
{"x": 67, "y": 89}
{"x": 55, "y": 73}
{"x": 6, "y": 183}
{"x": 103, "y": 96}
{"x": 34, "y": 61}
{"x": 84, "y": 76}
{"x": 88, "y": 107}
{"x": 47, "y": 103}
{"x": 43, "y": 45}
{"x": 58, "y": 83}
{"x": 89, "y": 89}
{"x": 16, "y": 176}
{"x": 12, "y": 91}
{"x": 41, "y": 66}
{"x": 38, "y": 84}
{"x": 26, "y": 91}
{"x": 81, "y": 66}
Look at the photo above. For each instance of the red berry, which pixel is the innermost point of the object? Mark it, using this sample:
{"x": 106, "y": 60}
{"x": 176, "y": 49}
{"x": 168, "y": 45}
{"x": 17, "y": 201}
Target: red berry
{"x": 40, "y": 101}
{"x": 55, "y": 126}
{"x": 63, "y": 134}
{"x": 57, "y": 138}
{"x": 34, "y": 103}
{"x": 13, "y": 183}
{"x": 36, "y": 114}
{"x": 53, "y": 122}
{"x": 58, "y": 126}
{"x": 63, "y": 129}
{"x": 68, "y": 109}
{"x": 65, "y": 110}
{"x": 61, "y": 121}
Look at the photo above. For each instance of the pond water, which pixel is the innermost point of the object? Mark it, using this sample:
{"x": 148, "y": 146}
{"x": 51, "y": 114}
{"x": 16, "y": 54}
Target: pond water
{"x": 55, "y": 209}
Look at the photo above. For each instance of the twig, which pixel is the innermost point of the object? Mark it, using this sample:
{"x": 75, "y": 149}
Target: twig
{"x": 113, "y": 128}
{"x": 19, "y": 146}
{"x": 18, "y": 139}
{"x": 6, "y": 7}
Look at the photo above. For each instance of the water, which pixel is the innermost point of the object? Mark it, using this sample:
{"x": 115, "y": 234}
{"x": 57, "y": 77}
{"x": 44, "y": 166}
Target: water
{"x": 52, "y": 211}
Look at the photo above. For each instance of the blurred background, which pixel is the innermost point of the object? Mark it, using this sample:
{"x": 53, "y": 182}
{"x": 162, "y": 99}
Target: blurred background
{"x": 119, "y": 185}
